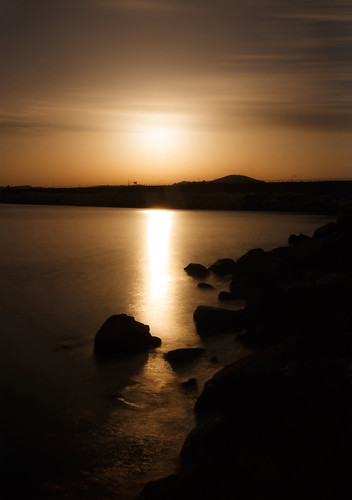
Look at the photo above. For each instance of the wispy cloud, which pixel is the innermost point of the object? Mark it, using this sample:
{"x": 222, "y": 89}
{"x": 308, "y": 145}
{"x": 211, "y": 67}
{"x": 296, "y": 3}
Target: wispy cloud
{"x": 132, "y": 5}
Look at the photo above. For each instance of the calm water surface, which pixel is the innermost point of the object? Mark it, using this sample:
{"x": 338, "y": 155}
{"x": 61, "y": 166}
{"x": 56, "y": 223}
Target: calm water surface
{"x": 71, "y": 426}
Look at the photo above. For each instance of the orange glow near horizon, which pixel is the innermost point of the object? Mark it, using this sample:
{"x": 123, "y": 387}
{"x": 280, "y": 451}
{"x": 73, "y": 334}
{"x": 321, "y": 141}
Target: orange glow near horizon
{"x": 163, "y": 153}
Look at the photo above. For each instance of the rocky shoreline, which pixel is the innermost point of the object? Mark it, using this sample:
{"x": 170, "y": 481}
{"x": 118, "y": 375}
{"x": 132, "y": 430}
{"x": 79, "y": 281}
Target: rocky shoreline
{"x": 276, "y": 424}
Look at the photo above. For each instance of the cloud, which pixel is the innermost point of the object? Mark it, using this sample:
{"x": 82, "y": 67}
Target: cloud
{"x": 131, "y": 5}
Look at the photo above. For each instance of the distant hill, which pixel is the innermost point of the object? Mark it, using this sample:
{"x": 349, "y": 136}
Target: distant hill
{"x": 235, "y": 179}
{"x": 228, "y": 179}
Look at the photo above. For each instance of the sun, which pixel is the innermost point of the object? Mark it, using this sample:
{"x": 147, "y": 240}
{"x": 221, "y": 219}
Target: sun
{"x": 159, "y": 137}
{"x": 153, "y": 136}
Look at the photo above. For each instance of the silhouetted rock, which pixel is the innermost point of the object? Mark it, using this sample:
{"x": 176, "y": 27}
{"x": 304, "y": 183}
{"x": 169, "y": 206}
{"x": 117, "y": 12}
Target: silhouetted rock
{"x": 184, "y": 355}
{"x": 205, "y": 286}
{"x": 162, "y": 489}
{"x": 253, "y": 257}
{"x": 325, "y": 232}
{"x": 120, "y": 335}
{"x": 190, "y": 384}
{"x": 223, "y": 267}
{"x": 210, "y": 320}
{"x": 227, "y": 296}
{"x": 300, "y": 239}
{"x": 197, "y": 270}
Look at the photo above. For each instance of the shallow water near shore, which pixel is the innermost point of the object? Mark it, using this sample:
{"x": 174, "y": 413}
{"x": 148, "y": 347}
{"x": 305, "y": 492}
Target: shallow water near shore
{"x": 76, "y": 428}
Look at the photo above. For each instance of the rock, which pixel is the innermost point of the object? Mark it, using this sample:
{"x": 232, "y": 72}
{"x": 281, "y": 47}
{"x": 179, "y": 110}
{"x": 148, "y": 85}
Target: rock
{"x": 227, "y": 296}
{"x": 191, "y": 383}
{"x": 161, "y": 489}
{"x": 296, "y": 240}
{"x": 210, "y": 320}
{"x": 223, "y": 267}
{"x": 205, "y": 286}
{"x": 197, "y": 270}
{"x": 253, "y": 257}
{"x": 344, "y": 216}
{"x": 184, "y": 355}
{"x": 121, "y": 335}
{"x": 326, "y": 231}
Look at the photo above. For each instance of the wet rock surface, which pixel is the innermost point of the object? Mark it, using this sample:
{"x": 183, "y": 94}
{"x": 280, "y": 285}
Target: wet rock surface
{"x": 277, "y": 424}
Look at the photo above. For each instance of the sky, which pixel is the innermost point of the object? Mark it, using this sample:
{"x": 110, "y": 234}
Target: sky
{"x": 96, "y": 92}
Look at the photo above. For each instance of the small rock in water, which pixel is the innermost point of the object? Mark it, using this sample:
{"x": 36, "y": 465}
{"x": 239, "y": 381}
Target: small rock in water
{"x": 205, "y": 286}
{"x": 197, "y": 270}
{"x": 183, "y": 355}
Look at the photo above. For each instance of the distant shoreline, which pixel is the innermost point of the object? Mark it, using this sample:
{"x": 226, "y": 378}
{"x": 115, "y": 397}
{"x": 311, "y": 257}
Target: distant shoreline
{"x": 305, "y": 196}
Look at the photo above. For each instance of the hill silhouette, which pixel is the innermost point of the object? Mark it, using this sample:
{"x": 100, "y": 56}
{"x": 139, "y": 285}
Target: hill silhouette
{"x": 234, "y": 179}
{"x": 227, "y": 179}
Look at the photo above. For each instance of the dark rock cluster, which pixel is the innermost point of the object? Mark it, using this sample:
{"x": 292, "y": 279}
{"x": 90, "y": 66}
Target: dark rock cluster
{"x": 277, "y": 424}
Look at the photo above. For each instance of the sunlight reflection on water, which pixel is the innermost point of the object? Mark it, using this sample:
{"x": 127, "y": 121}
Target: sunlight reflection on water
{"x": 158, "y": 241}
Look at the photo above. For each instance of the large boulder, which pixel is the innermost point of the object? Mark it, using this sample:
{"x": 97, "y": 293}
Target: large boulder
{"x": 253, "y": 257}
{"x": 122, "y": 334}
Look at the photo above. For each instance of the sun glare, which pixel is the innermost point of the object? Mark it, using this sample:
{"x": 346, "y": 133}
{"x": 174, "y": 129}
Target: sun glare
{"x": 159, "y": 137}
{"x": 157, "y": 134}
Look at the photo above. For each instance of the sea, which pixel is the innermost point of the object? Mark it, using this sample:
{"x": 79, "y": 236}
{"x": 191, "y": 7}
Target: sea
{"x": 75, "y": 427}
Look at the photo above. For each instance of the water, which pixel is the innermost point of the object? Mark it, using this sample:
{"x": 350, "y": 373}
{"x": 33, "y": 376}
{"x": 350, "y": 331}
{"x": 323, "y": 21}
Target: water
{"x": 75, "y": 428}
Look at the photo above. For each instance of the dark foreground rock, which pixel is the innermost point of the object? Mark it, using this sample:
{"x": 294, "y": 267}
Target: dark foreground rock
{"x": 210, "y": 320}
{"x": 227, "y": 296}
{"x": 121, "y": 335}
{"x": 277, "y": 424}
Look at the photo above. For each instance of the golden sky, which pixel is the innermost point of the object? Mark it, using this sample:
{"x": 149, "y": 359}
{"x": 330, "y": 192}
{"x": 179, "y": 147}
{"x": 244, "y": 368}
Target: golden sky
{"x": 160, "y": 91}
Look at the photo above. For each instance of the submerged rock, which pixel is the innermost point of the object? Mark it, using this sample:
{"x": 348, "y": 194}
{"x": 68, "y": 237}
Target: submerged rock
{"x": 197, "y": 270}
{"x": 122, "y": 334}
{"x": 227, "y": 296}
{"x": 184, "y": 355}
{"x": 205, "y": 286}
